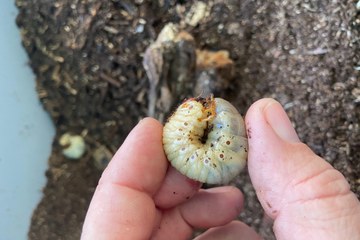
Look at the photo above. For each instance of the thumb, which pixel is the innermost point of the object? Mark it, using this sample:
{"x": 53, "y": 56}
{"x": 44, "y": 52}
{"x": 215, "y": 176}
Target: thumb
{"x": 305, "y": 195}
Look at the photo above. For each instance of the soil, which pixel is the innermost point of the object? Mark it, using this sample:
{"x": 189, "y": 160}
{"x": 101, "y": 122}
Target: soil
{"x": 87, "y": 57}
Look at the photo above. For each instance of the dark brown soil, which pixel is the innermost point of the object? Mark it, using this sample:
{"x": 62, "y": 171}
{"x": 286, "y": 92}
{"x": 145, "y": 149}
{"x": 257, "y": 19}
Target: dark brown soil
{"x": 87, "y": 56}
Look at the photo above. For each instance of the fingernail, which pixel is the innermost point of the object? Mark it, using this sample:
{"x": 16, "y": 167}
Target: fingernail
{"x": 141, "y": 120}
{"x": 279, "y": 122}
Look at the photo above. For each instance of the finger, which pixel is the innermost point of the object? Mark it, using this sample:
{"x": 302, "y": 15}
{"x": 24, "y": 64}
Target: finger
{"x": 140, "y": 163}
{"x": 176, "y": 188}
{"x": 122, "y": 204}
{"x": 305, "y": 195}
{"x": 208, "y": 208}
{"x": 235, "y": 230}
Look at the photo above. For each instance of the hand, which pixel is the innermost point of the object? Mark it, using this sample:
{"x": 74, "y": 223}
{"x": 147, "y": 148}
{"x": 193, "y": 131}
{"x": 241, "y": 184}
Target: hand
{"x": 140, "y": 197}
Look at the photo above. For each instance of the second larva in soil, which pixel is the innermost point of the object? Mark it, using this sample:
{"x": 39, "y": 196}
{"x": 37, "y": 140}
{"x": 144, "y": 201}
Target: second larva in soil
{"x": 205, "y": 140}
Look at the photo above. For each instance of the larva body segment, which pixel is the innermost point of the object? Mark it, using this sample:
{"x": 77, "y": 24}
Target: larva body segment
{"x": 205, "y": 140}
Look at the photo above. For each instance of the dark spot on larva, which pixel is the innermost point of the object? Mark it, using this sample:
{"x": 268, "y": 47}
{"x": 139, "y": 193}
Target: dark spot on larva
{"x": 178, "y": 139}
{"x": 174, "y": 193}
{"x": 182, "y": 149}
{"x": 206, "y": 161}
{"x": 214, "y": 165}
{"x": 268, "y": 204}
{"x": 245, "y": 149}
{"x": 185, "y": 123}
{"x": 211, "y": 145}
{"x": 180, "y": 129}
{"x": 221, "y": 155}
{"x": 188, "y": 197}
{"x": 187, "y": 160}
{"x": 228, "y": 142}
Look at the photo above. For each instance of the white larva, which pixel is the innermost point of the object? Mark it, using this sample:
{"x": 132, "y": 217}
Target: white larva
{"x": 205, "y": 139}
{"x": 74, "y": 146}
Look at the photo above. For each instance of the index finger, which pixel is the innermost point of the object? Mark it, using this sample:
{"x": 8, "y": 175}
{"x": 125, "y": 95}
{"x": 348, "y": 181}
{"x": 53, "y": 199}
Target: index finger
{"x": 140, "y": 163}
{"x": 122, "y": 204}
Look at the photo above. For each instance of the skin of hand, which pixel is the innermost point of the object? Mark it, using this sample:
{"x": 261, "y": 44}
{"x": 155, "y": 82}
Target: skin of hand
{"x": 139, "y": 196}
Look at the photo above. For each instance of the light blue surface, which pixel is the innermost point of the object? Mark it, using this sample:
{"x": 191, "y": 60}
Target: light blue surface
{"x": 26, "y": 133}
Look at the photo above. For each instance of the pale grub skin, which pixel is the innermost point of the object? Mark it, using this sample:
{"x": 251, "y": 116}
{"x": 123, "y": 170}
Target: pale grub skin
{"x": 205, "y": 139}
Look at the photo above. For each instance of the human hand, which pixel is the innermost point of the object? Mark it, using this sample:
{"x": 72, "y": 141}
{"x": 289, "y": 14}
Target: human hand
{"x": 138, "y": 198}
